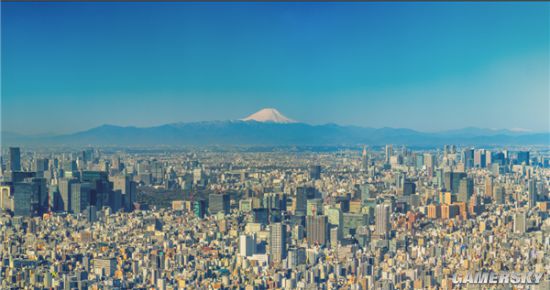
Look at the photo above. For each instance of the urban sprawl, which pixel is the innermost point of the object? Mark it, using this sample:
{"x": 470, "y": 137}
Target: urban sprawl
{"x": 384, "y": 217}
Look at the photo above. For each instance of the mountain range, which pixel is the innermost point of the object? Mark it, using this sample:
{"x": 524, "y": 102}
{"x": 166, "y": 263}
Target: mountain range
{"x": 271, "y": 128}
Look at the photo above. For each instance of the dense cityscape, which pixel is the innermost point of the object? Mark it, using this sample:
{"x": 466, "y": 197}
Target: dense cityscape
{"x": 372, "y": 217}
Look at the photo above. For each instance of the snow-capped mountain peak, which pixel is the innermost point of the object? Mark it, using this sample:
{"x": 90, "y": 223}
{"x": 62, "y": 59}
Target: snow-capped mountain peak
{"x": 268, "y": 115}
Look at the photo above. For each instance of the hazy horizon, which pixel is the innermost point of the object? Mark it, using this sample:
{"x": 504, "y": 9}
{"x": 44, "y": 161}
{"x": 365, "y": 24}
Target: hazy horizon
{"x": 70, "y": 67}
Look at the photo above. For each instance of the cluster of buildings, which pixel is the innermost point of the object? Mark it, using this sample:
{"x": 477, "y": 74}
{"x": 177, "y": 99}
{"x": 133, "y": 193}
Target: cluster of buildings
{"x": 380, "y": 218}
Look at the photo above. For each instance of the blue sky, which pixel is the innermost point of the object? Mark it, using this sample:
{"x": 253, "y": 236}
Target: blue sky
{"x": 427, "y": 66}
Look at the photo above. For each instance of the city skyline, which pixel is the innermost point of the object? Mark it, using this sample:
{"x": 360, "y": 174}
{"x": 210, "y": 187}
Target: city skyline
{"x": 424, "y": 66}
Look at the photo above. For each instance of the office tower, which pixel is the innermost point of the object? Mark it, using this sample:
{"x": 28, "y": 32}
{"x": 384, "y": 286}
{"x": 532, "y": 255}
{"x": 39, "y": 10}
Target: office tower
{"x": 219, "y": 202}
{"x": 449, "y": 211}
{"x": 277, "y": 243}
{"x": 479, "y": 158}
{"x": 364, "y": 160}
{"x": 465, "y": 190}
{"x": 5, "y": 198}
{"x": 499, "y": 195}
{"x": 400, "y": 179}
{"x": 105, "y": 266}
{"x": 91, "y": 213}
{"x": 523, "y": 157}
{"x": 389, "y": 153}
{"x": 429, "y": 161}
{"x": 303, "y": 193}
{"x": 419, "y": 161}
{"x": 317, "y": 230}
{"x": 489, "y": 186}
{"x": 455, "y": 184}
{"x": 382, "y": 220}
{"x": 15, "y": 159}
{"x": 520, "y": 222}
{"x": 365, "y": 193}
{"x": 468, "y": 157}
{"x": 65, "y": 185}
{"x": 69, "y": 166}
{"x": 41, "y": 164}
{"x": 409, "y": 188}
{"x": 261, "y": 215}
{"x": 335, "y": 236}
{"x": 199, "y": 208}
{"x": 127, "y": 188}
{"x": 80, "y": 197}
{"x": 314, "y": 206}
{"x": 40, "y": 193}
{"x": 315, "y": 172}
{"x": 434, "y": 211}
{"x": 488, "y": 158}
{"x": 532, "y": 193}
{"x": 22, "y": 199}
{"x": 247, "y": 245}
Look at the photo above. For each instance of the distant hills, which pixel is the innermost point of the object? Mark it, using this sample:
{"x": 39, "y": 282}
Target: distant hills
{"x": 271, "y": 128}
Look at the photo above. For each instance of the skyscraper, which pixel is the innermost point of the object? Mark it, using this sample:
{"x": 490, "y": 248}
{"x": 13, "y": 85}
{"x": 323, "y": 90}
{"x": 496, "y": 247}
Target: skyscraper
{"x": 523, "y": 157}
{"x": 382, "y": 220}
{"x": 277, "y": 239}
{"x": 389, "y": 152}
{"x": 317, "y": 230}
{"x": 199, "y": 208}
{"x": 247, "y": 245}
{"x": 15, "y": 159}
{"x": 499, "y": 195}
{"x": 315, "y": 172}
{"x": 219, "y": 203}
{"x": 65, "y": 185}
{"x": 520, "y": 222}
{"x": 22, "y": 199}
{"x": 80, "y": 197}
{"x": 532, "y": 193}
{"x": 465, "y": 190}
{"x": 364, "y": 160}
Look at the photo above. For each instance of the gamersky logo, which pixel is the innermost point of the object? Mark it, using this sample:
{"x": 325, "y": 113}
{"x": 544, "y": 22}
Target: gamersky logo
{"x": 528, "y": 278}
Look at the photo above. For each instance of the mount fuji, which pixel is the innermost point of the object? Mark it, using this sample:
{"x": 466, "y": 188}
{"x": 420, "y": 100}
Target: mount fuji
{"x": 269, "y": 127}
{"x": 269, "y": 115}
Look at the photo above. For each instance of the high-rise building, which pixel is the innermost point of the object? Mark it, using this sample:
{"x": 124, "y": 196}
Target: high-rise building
{"x": 314, "y": 206}
{"x": 315, "y": 172}
{"x": 317, "y": 230}
{"x": 364, "y": 160}
{"x": 199, "y": 208}
{"x": 277, "y": 239}
{"x": 532, "y": 193}
{"x": 22, "y": 199}
{"x": 219, "y": 203}
{"x": 479, "y": 158}
{"x": 465, "y": 190}
{"x": 303, "y": 193}
{"x": 127, "y": 188}
{"x": 15, "y": 159}
{"x": 520, "y": 222}
{"x": 409, "y": 188}
{"x": 105, "y": 266}
{"x": 468, "y": 157}
{"x": 247, "y": 245}
{"x": 499, "y": 195}
{"x": 41, "y": 164}
{"x": 489, "y": 186}
{"x": 65, "y": 185}
{"x": 80, "y": 197}
{"x": 389, "y": 153}
{"x": 382, "y": 220}
{"x": 523, "y": 157}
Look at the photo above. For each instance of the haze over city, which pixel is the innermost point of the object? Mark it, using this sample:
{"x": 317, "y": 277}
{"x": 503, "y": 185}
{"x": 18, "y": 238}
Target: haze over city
{"x": 429, "y": 67}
